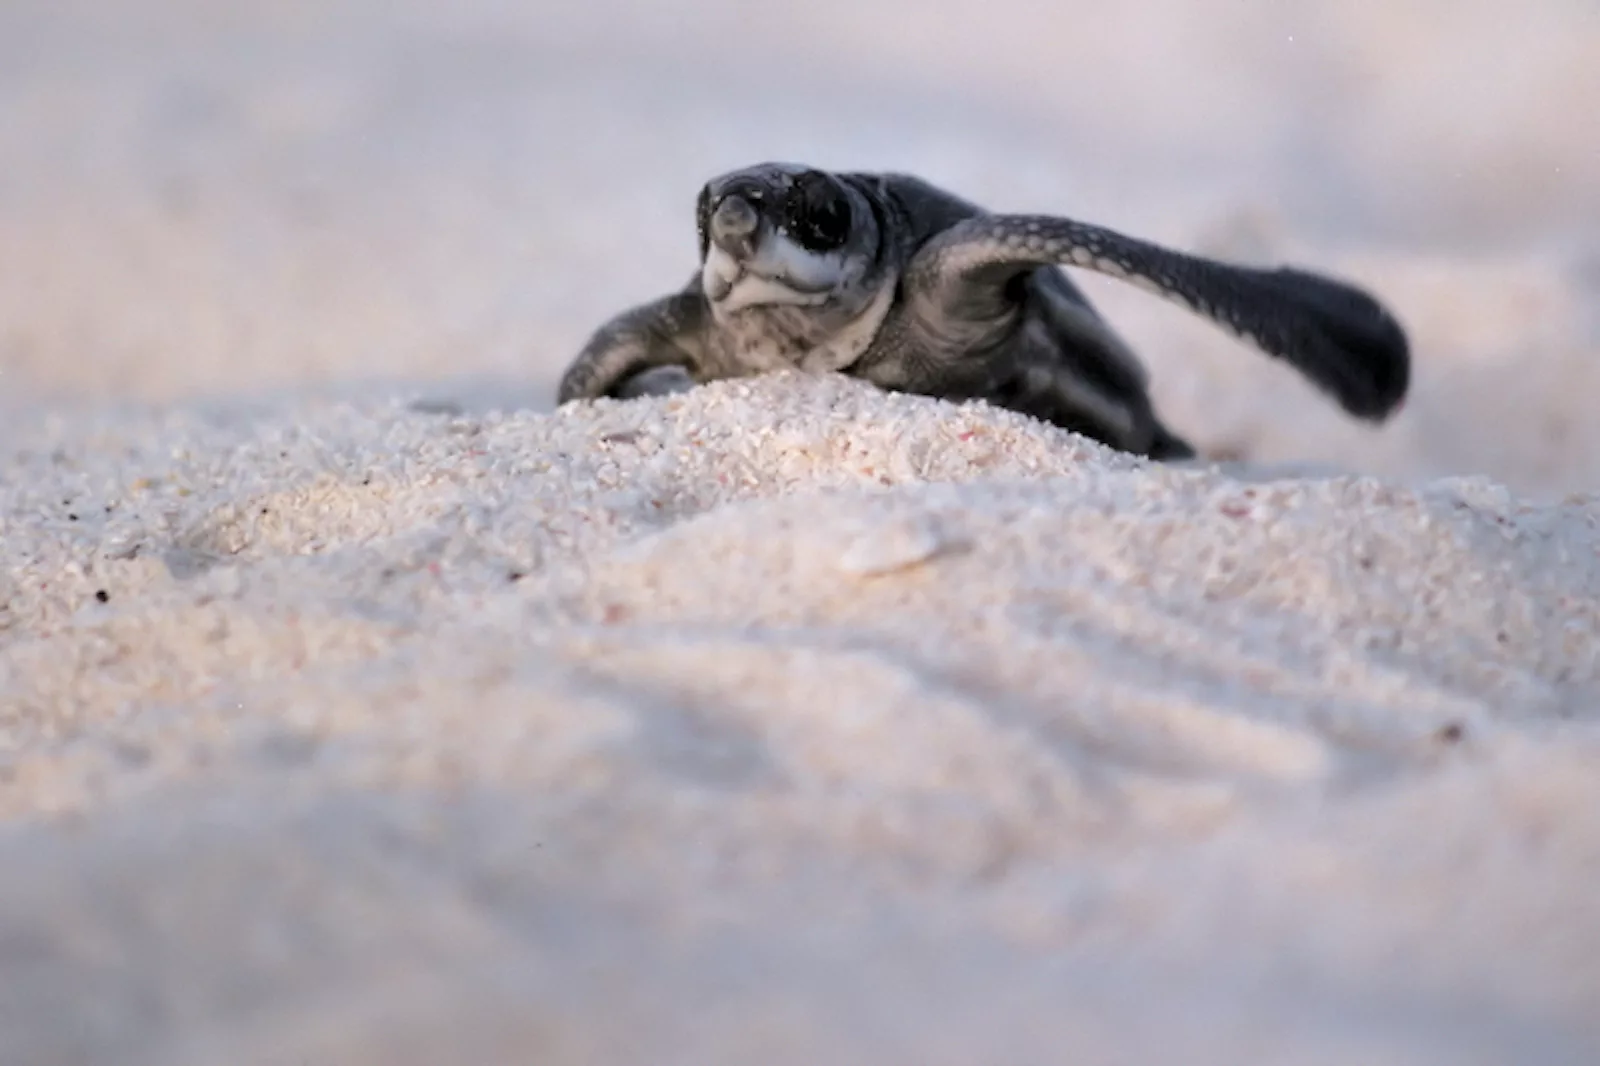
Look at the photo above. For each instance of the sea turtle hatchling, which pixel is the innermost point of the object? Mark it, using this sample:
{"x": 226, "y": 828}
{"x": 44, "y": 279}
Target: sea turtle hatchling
{"x": 887, "y": 278}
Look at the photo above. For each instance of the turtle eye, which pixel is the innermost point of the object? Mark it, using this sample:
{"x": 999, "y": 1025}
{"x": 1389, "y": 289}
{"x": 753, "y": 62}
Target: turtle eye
{"x": 816, "y": 213}
{"x": 702, "y": 219}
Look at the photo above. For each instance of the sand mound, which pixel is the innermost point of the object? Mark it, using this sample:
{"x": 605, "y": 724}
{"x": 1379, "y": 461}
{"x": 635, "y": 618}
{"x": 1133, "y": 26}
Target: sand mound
{"x": 780, "y": 721}
{"x": 783, "y": 721}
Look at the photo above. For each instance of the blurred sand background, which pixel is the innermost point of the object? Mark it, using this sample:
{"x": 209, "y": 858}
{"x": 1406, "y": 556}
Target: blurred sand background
{"x": 489, "y": 735}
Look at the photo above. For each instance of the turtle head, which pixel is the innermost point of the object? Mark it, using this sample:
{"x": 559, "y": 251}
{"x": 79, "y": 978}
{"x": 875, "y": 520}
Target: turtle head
{"x": 783, "y": 234}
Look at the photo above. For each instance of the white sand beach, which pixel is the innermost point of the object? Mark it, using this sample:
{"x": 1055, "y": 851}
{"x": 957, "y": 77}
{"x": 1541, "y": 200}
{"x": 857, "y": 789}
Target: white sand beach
{"x": 357, "y": 707}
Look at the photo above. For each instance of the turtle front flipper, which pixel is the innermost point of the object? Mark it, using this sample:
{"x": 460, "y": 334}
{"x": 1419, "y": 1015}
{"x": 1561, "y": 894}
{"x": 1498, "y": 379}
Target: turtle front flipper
{"x": 1335, "y": 334}
{"x": 665, "y": 332}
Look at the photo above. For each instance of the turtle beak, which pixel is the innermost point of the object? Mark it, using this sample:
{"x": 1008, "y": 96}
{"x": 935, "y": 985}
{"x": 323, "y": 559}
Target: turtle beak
{"x": 735, "y": 226}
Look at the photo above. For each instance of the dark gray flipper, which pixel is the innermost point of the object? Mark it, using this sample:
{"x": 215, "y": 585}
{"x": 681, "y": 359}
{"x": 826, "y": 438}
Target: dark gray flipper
{"x": 665, "y": 332}
{"x": 1094, "y": 357}
{"x": 1075, "y": 321}
{"x": 1338, "y": 336}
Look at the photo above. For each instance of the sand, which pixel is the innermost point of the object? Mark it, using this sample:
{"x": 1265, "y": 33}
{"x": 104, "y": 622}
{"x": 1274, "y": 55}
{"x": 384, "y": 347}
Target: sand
{"x": 356, "y": 707}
